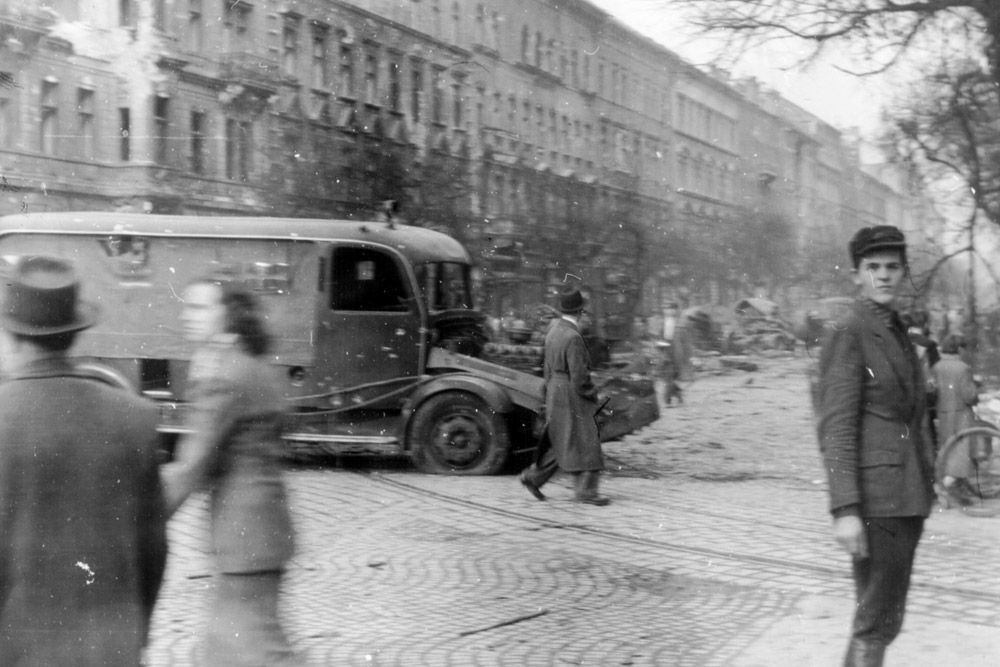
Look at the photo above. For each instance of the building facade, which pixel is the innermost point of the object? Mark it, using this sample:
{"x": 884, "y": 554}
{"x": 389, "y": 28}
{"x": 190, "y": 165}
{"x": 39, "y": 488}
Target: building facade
{"x": 552, "y": 140}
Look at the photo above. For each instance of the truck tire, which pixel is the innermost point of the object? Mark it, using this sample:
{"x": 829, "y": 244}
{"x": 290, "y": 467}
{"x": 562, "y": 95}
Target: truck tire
{"x": 456, "y": 432}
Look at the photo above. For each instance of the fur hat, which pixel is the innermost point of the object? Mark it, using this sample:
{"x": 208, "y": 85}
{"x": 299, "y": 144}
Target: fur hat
{"x": 41, "y": 298}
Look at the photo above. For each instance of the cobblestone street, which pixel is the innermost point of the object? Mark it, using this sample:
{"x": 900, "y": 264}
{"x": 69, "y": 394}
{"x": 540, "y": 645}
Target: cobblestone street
{"x": 715, "y": 551}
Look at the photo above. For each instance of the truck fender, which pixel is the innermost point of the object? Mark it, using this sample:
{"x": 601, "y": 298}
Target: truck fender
{"x": 491, "y": 393}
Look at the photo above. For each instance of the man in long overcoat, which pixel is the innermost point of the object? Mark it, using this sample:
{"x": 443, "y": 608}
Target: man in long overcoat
{"x": 875, "y": 444}
{"x": 82, "y": 530}
{"x": 570, "y": 405}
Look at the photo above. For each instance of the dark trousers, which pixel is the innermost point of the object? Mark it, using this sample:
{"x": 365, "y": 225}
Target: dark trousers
{"x": 883, "y": 579}
{"x": 545, "y": 466}
{"x": 671, "y": 373}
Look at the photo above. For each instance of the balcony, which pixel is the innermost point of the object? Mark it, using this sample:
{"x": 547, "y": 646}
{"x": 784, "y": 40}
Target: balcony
{"x": 22, "y": 29}
{"x": 256, "y": 74}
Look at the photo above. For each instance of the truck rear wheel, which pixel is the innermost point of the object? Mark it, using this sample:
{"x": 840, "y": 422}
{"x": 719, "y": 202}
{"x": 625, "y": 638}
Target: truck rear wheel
{"x": 457, "y": 433}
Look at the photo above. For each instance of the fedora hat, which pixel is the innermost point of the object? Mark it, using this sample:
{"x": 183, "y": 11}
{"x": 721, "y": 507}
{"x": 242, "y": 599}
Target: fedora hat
{"x": 41, "y": 298}
{"x": 570, "y": 300}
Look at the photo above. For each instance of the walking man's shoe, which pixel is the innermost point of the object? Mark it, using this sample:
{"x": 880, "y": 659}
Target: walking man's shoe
{"x": 600, "y": 501}
{"x": 532, "y": 489}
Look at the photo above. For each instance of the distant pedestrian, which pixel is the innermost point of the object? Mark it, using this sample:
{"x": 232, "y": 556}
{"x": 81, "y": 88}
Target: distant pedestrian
{"x": 928, "y": 354}
{"x": 674, "y": 353}
{"x": 573, "y": 442}
{"x": 872, "y": 434}
{"x": 233, "y": 449}
{"x": 957, "y": 393}
{"x": 82, "y": 521}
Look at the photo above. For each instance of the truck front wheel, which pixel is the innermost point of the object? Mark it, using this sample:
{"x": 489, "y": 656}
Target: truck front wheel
{"x": 457, "y": 433}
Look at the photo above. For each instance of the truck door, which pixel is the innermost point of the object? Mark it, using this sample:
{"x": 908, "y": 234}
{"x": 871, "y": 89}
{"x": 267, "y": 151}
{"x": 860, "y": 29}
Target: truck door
{"x": 368, "y": 321}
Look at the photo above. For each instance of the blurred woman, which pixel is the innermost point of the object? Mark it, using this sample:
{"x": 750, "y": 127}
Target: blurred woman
{"x": 233, "y": 450}
{"x": 956, "y": 394}
{"x": 956, "y": 390}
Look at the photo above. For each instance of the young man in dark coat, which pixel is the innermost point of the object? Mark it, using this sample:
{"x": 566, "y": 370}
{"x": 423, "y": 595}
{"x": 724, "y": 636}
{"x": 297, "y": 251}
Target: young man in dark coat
{"x": 570, "y": 406}
{"x": 82, "y": 526}
{"x": 874, "y": 441}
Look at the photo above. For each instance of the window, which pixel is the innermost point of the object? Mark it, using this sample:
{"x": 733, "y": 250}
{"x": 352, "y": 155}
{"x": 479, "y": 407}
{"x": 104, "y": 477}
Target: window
{"x": 456, "y": 22}
{"x": 198, "y": 142}
{"x": 161, "y": 128}
{"x": 124, "y": 134}
{"x": 6, "y": 130}
{"x": 160, "y": 15}
{"x": 395, "y": 93}
{"x": 365, "y": 279}
{"x": 49, "y": 117}
{"x": 346, "y": 70}
{"x": 371, "y": 76}
{"x": 436, "y": 17}
{"x": 458, "y": 103}
{"x": 320, "y": 34}
{"x": 495, "y": 31}
{"x": 445, "y": 285}
{"x": 525, "y": 43}
{"x": 480, "y": 28}
{"x": 290, "y": 46}
{"x": 437, "y": 101}
{"x": 196, "y": 27}
{"x": 416, "y": 88}
{"x": 85, "y": 121}
{"x": 126, "y": 13}
{"x": 239, "y": 144}
{"x": 236, "y": 26}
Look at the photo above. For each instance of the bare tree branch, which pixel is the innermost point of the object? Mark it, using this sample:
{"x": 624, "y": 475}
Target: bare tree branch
{"x": 886, "y": 29}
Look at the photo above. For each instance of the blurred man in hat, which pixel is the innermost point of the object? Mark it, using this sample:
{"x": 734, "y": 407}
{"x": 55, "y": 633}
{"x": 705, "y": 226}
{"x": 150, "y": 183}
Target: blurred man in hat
{"x": 570, "y": 407}
{"x": 82, "y": 533}
{"x": 872, "y": 435}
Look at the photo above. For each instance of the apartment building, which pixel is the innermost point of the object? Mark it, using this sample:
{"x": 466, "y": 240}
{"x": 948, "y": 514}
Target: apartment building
{"x": 547, "y": 136}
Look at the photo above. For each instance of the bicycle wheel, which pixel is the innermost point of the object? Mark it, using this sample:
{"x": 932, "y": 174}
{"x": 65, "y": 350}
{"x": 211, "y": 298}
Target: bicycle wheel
{"x": 967, "y": 470}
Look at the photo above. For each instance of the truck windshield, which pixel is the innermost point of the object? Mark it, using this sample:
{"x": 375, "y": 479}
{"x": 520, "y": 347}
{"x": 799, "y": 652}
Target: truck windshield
{"x": 445, "y": 285}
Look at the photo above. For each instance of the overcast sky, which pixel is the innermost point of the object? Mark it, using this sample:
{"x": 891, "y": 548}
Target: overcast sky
{"x": 841, "y": 99}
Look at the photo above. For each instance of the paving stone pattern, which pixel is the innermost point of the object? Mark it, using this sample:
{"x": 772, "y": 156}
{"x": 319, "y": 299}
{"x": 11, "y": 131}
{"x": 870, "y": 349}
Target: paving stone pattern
{"x": 717, "y": 531}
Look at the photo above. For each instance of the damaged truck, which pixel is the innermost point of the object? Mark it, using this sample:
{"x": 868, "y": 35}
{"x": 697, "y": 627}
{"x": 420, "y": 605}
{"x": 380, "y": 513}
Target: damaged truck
{"x": 373, "y": 323}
